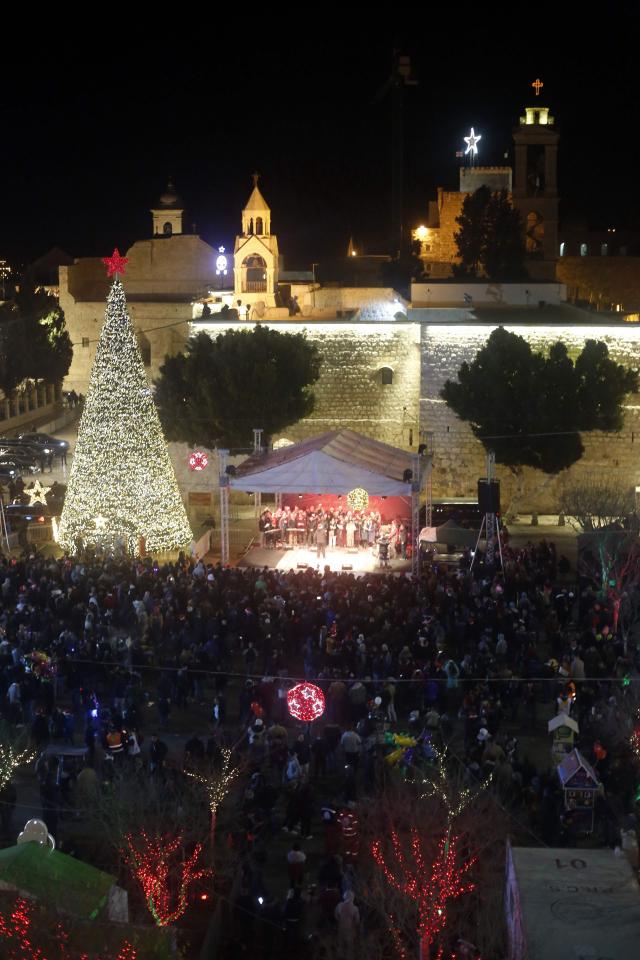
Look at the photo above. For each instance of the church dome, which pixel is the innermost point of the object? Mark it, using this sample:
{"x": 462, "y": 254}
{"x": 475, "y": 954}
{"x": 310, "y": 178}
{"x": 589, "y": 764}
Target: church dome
{"x": 170, "y": 199}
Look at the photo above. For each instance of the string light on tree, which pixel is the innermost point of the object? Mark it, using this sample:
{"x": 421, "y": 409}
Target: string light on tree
{"x": 430, "y": 891}
{"x": 305, "y": 702}
{"x": 121, "y": 469}
{"x": 150, "y": 862}
{"x": 217, "y": 784}
{"x": 10, "y": 759}
{"x": 358, "y": 499}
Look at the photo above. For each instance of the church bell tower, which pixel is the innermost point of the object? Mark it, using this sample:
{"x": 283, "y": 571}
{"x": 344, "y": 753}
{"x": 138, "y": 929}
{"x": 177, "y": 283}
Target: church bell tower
{"x": 255, "y": 254}
{"x": 535, "y": 188}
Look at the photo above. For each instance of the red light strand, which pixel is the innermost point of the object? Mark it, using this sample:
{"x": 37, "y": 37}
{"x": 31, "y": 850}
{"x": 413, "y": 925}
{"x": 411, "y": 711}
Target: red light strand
{"x": 150, "y": 863}
{"x": 432, "y": 895}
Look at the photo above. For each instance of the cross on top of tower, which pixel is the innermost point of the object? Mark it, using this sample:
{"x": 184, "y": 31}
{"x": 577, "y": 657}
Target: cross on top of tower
{"x": 256, "y": 176}
{"x": 537, "y": 86}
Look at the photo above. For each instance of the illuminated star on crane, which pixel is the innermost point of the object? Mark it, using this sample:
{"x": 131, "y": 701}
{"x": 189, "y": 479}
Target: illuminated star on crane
{"x": 115, "y": 263}
{"x": 37, "y": 493}
{"x": 472, "y": 143}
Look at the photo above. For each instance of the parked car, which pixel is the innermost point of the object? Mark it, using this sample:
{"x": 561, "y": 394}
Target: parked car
{"x": 15, "y": 459}
{"x": 13, "y": 445}
{"x": 8, "y": 471}
{"x": 20, "y": 515}
{"x": 46, "y": 443}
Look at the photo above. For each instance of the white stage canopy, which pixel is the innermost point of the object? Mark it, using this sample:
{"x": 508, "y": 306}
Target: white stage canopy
{"x": 334, "y": 462}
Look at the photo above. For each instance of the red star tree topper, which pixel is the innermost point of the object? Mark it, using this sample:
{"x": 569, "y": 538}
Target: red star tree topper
{"x": 115, "y": 263}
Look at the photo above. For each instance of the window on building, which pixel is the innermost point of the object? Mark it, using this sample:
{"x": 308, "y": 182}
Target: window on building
{"x": 167, "y": 229}
{"x": 584, "y": 249}
{"x": 259, "y": 230}
{"x": 386, "y": 376}
{"x": 562, "y": 248}
{"x": 85, "y": 341}
{"x": 604, "y": 249}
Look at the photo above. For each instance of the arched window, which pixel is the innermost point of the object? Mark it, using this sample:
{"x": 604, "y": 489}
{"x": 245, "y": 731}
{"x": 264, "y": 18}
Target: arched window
{"x": 584, "y": 250}
{"x": 562, "y": 248}
{"x": 386, "y": 376}
{"x": 167, "y": 229}
{"x": 604, "y": 249}
{"x": 259, "y": 229}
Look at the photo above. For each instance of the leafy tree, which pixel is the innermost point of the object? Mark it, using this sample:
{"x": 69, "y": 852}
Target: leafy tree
{"x": 530, "y": 409}
{"x": 470, "y": 238}
{"x": 399, "y": 272}
{"x": 47, "y": 341}
{"x": 490, "y": 237}
{"x": 220, "y": 388}
{"x": 34, "y": 342}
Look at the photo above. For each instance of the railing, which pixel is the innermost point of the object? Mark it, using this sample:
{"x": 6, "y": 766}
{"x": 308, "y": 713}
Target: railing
{"x": 254, "y": 286}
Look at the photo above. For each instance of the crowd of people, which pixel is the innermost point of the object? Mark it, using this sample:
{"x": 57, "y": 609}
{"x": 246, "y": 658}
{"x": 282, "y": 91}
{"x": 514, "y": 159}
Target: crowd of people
{"x": 338, "y": 528}
{"x": 477, "y": 660}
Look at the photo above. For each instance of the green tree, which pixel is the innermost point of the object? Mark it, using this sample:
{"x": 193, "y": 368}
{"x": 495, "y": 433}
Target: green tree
{"x": 490, "y": 239}
{"x": 34, "y": 342}
{"x": 220, "y": 388}
{"x": 470, "y": 237}
{"x": 530, "y": 408}
{"x": 122, "y": 485}
{"x": 399, "y": 272}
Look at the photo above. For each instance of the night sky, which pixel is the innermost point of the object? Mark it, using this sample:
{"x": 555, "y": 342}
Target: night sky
{"x": 90, "y": 141}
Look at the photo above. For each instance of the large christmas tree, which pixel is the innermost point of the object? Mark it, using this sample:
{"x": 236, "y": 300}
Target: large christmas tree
{"x": 121, "y": 486}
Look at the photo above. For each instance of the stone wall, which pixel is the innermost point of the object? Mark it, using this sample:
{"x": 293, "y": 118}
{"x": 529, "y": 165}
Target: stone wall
{"x": 350, "y": 393}
{"x": 603, "y": 281}
{"x": 459, "y": 458}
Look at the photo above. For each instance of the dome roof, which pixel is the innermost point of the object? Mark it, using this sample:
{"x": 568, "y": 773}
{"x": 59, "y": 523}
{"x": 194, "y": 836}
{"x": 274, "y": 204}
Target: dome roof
{"x": 170, "y": 199}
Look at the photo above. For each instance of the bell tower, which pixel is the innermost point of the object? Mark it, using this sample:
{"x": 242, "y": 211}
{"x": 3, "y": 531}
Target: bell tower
{"x": 167, "y": 213}
{"x": 535, "y": 188}
{"x": 255, "y": 256}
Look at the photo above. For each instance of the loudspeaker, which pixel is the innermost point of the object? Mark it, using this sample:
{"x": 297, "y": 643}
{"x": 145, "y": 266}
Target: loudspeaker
{"x": 489, "y": 496}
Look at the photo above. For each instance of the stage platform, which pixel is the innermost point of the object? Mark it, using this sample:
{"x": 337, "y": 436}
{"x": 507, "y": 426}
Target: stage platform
{"x": 360, "y": 562}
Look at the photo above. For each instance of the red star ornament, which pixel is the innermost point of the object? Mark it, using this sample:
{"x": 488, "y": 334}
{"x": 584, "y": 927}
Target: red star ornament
{"x": 115, "y": 263}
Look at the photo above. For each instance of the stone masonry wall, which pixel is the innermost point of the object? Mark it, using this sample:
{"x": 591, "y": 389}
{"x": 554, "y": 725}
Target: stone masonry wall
{"x": 350, "y": 393}
{"x": 459, "y": 458}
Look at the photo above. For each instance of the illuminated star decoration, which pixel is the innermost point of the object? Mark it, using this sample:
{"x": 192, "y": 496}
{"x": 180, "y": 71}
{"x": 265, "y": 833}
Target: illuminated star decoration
{"x": 305, "y": 702}
{"x": 37, "y": 493}
{"x": 115, "y": 263}
{"x": 472, "y": 143}
{"x": 101, "y": 523}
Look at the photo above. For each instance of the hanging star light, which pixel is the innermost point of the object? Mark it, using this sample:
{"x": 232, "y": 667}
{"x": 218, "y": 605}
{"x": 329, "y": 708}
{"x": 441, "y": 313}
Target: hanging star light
{"x": 305, "y": 702}
{"x": 37, "y": 493}
{"x": 115, "y": 263}
{"x": 472, "y": 143}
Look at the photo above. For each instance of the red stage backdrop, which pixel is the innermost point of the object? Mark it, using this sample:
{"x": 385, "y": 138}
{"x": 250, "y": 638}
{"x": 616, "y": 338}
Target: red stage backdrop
{"x": 390, "y": 507}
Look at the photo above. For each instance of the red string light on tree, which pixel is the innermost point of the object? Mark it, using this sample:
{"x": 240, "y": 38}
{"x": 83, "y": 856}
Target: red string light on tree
{"x": 150, "y": 862}
{"x": 429, "y": 893}
{"x": 198, "y": 461}
{"x": 305, "y": 702}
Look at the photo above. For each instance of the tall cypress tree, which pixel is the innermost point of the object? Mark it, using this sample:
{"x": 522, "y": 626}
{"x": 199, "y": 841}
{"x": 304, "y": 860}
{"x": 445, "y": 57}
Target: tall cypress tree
{"x": 122, "y": 485}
